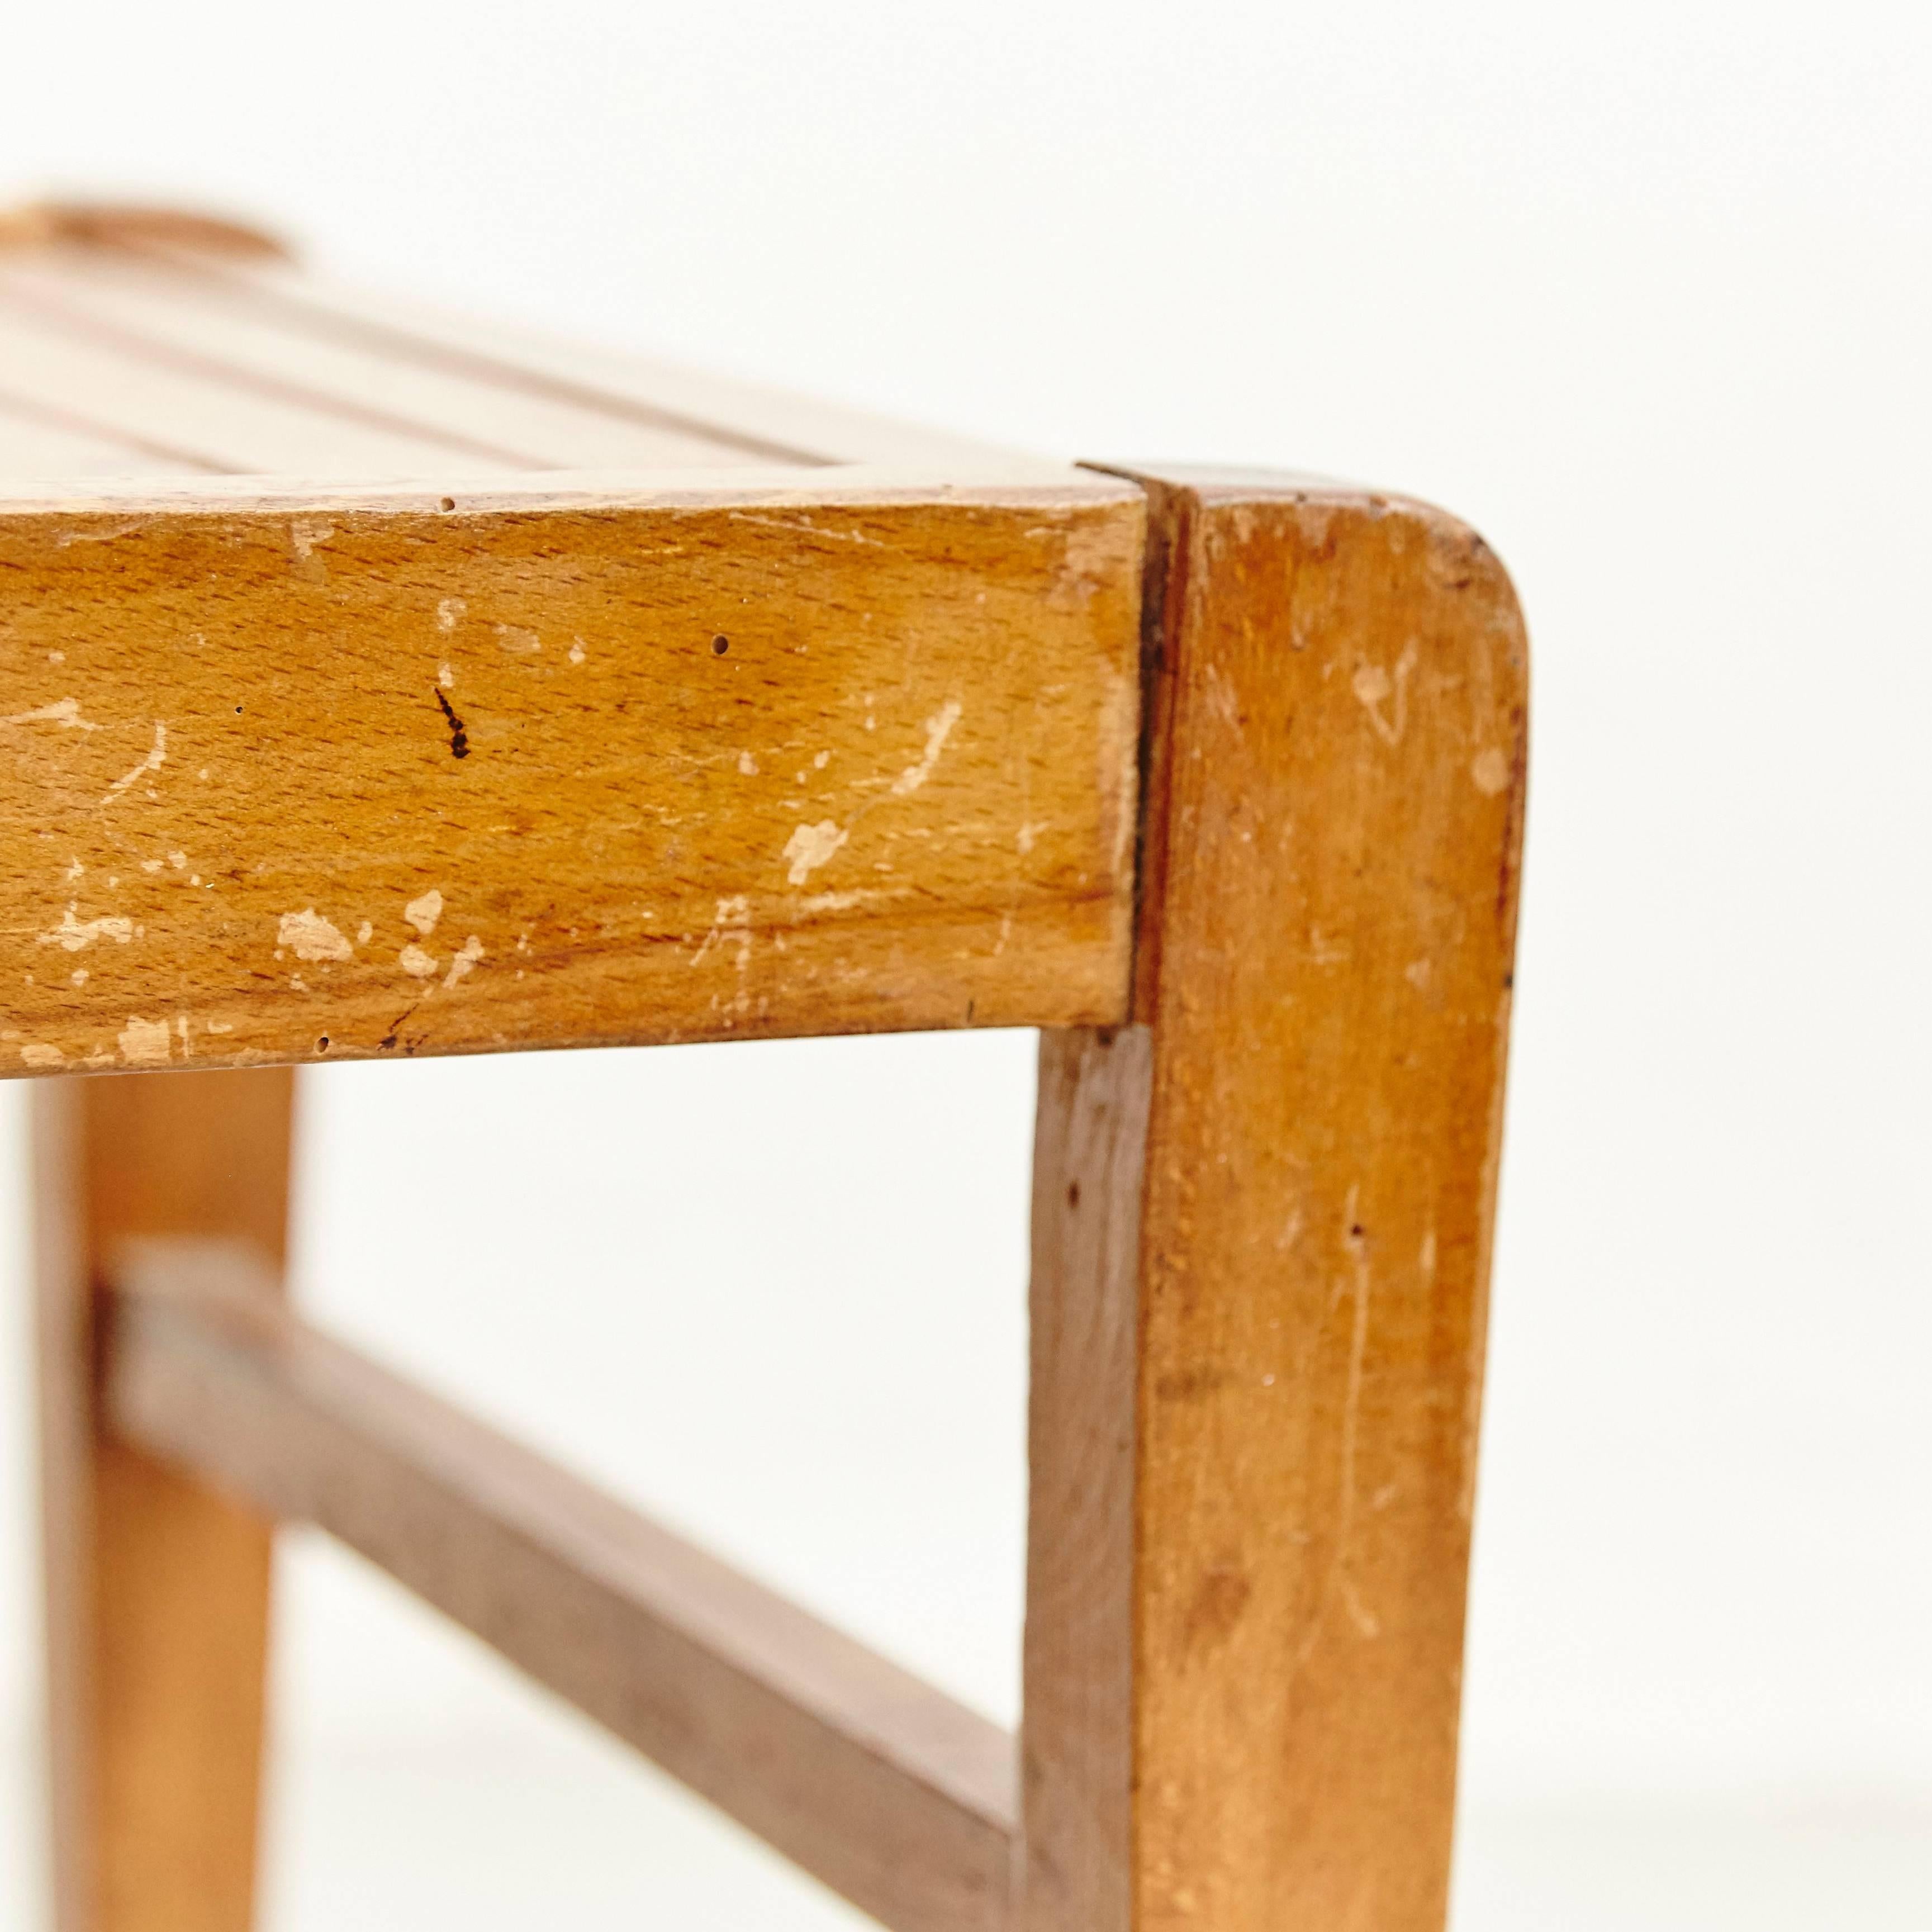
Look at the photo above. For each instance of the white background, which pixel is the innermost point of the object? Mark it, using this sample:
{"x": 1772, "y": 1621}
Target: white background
{"x": 1645, "y": 292}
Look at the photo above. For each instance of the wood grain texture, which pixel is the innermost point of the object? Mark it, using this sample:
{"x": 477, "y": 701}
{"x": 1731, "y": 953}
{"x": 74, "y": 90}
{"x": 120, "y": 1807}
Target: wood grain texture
{"x": 37, "y": 439}
{"x": 282, "y": 393}
{"x": 1329, "y": 894}
{"x": 156, "y": 1590}
{"x": 155, "y": 285}
{"x": 350, "y": 774}
{"x": 194, "y": 404}
{"x": 769, "y": 424}
{"x": 893, "y": 1795}
{"x": 1077, "y": 1732}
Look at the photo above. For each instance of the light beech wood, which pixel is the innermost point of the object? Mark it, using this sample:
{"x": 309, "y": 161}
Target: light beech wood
{"x": 38, "y": 440}
{"x": 893, "y": 1795}
{"x": 353, "y": 776}
{"x": 543, "y": 696}
{"x": 1328, "y": 911}
{"x": 769, "y": 425}
{"x": 1076, "y": 1733}
{"x": 159, "y": 322}
{"x": 156, "y": 1590}
{"x": 197, "y": 405}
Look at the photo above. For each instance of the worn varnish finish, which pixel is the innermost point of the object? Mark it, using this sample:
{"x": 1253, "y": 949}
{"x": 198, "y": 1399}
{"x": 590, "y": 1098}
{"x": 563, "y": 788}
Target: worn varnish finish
{"x": 1329, "y": 911}
{"x": 370, "y": 778}
{"x": 157, "y": 1590}
{"x": 545, "y": 697}
{"x": 885, "y": 1788}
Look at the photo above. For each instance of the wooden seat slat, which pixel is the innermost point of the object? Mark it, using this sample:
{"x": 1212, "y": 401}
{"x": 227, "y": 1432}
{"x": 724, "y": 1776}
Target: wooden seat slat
{"x": 268, "y": 347}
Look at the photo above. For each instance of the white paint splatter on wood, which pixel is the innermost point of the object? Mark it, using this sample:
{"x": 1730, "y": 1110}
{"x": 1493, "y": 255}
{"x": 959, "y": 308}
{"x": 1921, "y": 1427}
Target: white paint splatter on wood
{"x": 803, "y": 525}
{"x": 465, "y": 961}
{"x": 730, "y": 926}
{"x": 72, "y": 935}
{"x": 144, "y": 1043}
{"x": 1490, "y": 771}
{"x": 423, "y": 913}
{"x": 810, "y": 847}
{"x": 309, "y": 936}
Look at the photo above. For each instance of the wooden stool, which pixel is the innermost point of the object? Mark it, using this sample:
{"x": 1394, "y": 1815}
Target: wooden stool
{"x": 380, "y": 684}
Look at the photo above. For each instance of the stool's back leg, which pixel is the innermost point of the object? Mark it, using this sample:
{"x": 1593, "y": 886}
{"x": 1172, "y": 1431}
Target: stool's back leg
{"x": 1328, "y": 881}
{"x": 156, "y": 1590}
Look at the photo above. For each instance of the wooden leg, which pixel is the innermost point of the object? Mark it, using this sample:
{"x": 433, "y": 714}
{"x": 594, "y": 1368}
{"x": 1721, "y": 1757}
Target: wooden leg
{"x": 1250, "y": 1526}
{"x": 156, "y": 1590}
{"x": 1076, "y": 1743}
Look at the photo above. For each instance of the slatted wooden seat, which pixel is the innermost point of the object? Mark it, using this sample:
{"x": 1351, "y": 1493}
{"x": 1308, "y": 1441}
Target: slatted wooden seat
{"x": 379, "y": 684}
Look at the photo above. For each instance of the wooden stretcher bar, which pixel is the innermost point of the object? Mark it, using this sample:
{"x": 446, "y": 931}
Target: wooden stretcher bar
{"x": 899, "y": 1799}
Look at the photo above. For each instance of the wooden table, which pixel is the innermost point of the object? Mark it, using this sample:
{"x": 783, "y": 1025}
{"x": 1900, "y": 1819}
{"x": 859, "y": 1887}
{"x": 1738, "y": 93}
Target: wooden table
{"x": 380, "y": 684}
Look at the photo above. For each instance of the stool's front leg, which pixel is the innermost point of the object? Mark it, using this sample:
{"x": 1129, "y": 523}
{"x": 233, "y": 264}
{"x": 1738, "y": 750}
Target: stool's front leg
{"x": 157, "y": 1591}
{"x": 1262, "y": 1222}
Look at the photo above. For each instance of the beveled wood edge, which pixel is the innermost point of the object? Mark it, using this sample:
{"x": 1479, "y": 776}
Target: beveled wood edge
{"x": 1172, "y": 491}
{"x": 785, "y": 485}
{"x": 882, "y": 1787}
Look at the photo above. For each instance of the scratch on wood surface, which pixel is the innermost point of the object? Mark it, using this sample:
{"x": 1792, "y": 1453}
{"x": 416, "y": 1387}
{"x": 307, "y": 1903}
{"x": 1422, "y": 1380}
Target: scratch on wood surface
{"x": 65, "y": 712}
{"x": 464, "y": 961}
{"x": 1337, "y": 1582}
{"x": 938, "y": 729}
{"x": 156, "y": 757}
{"x": 1373, "y": 685}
